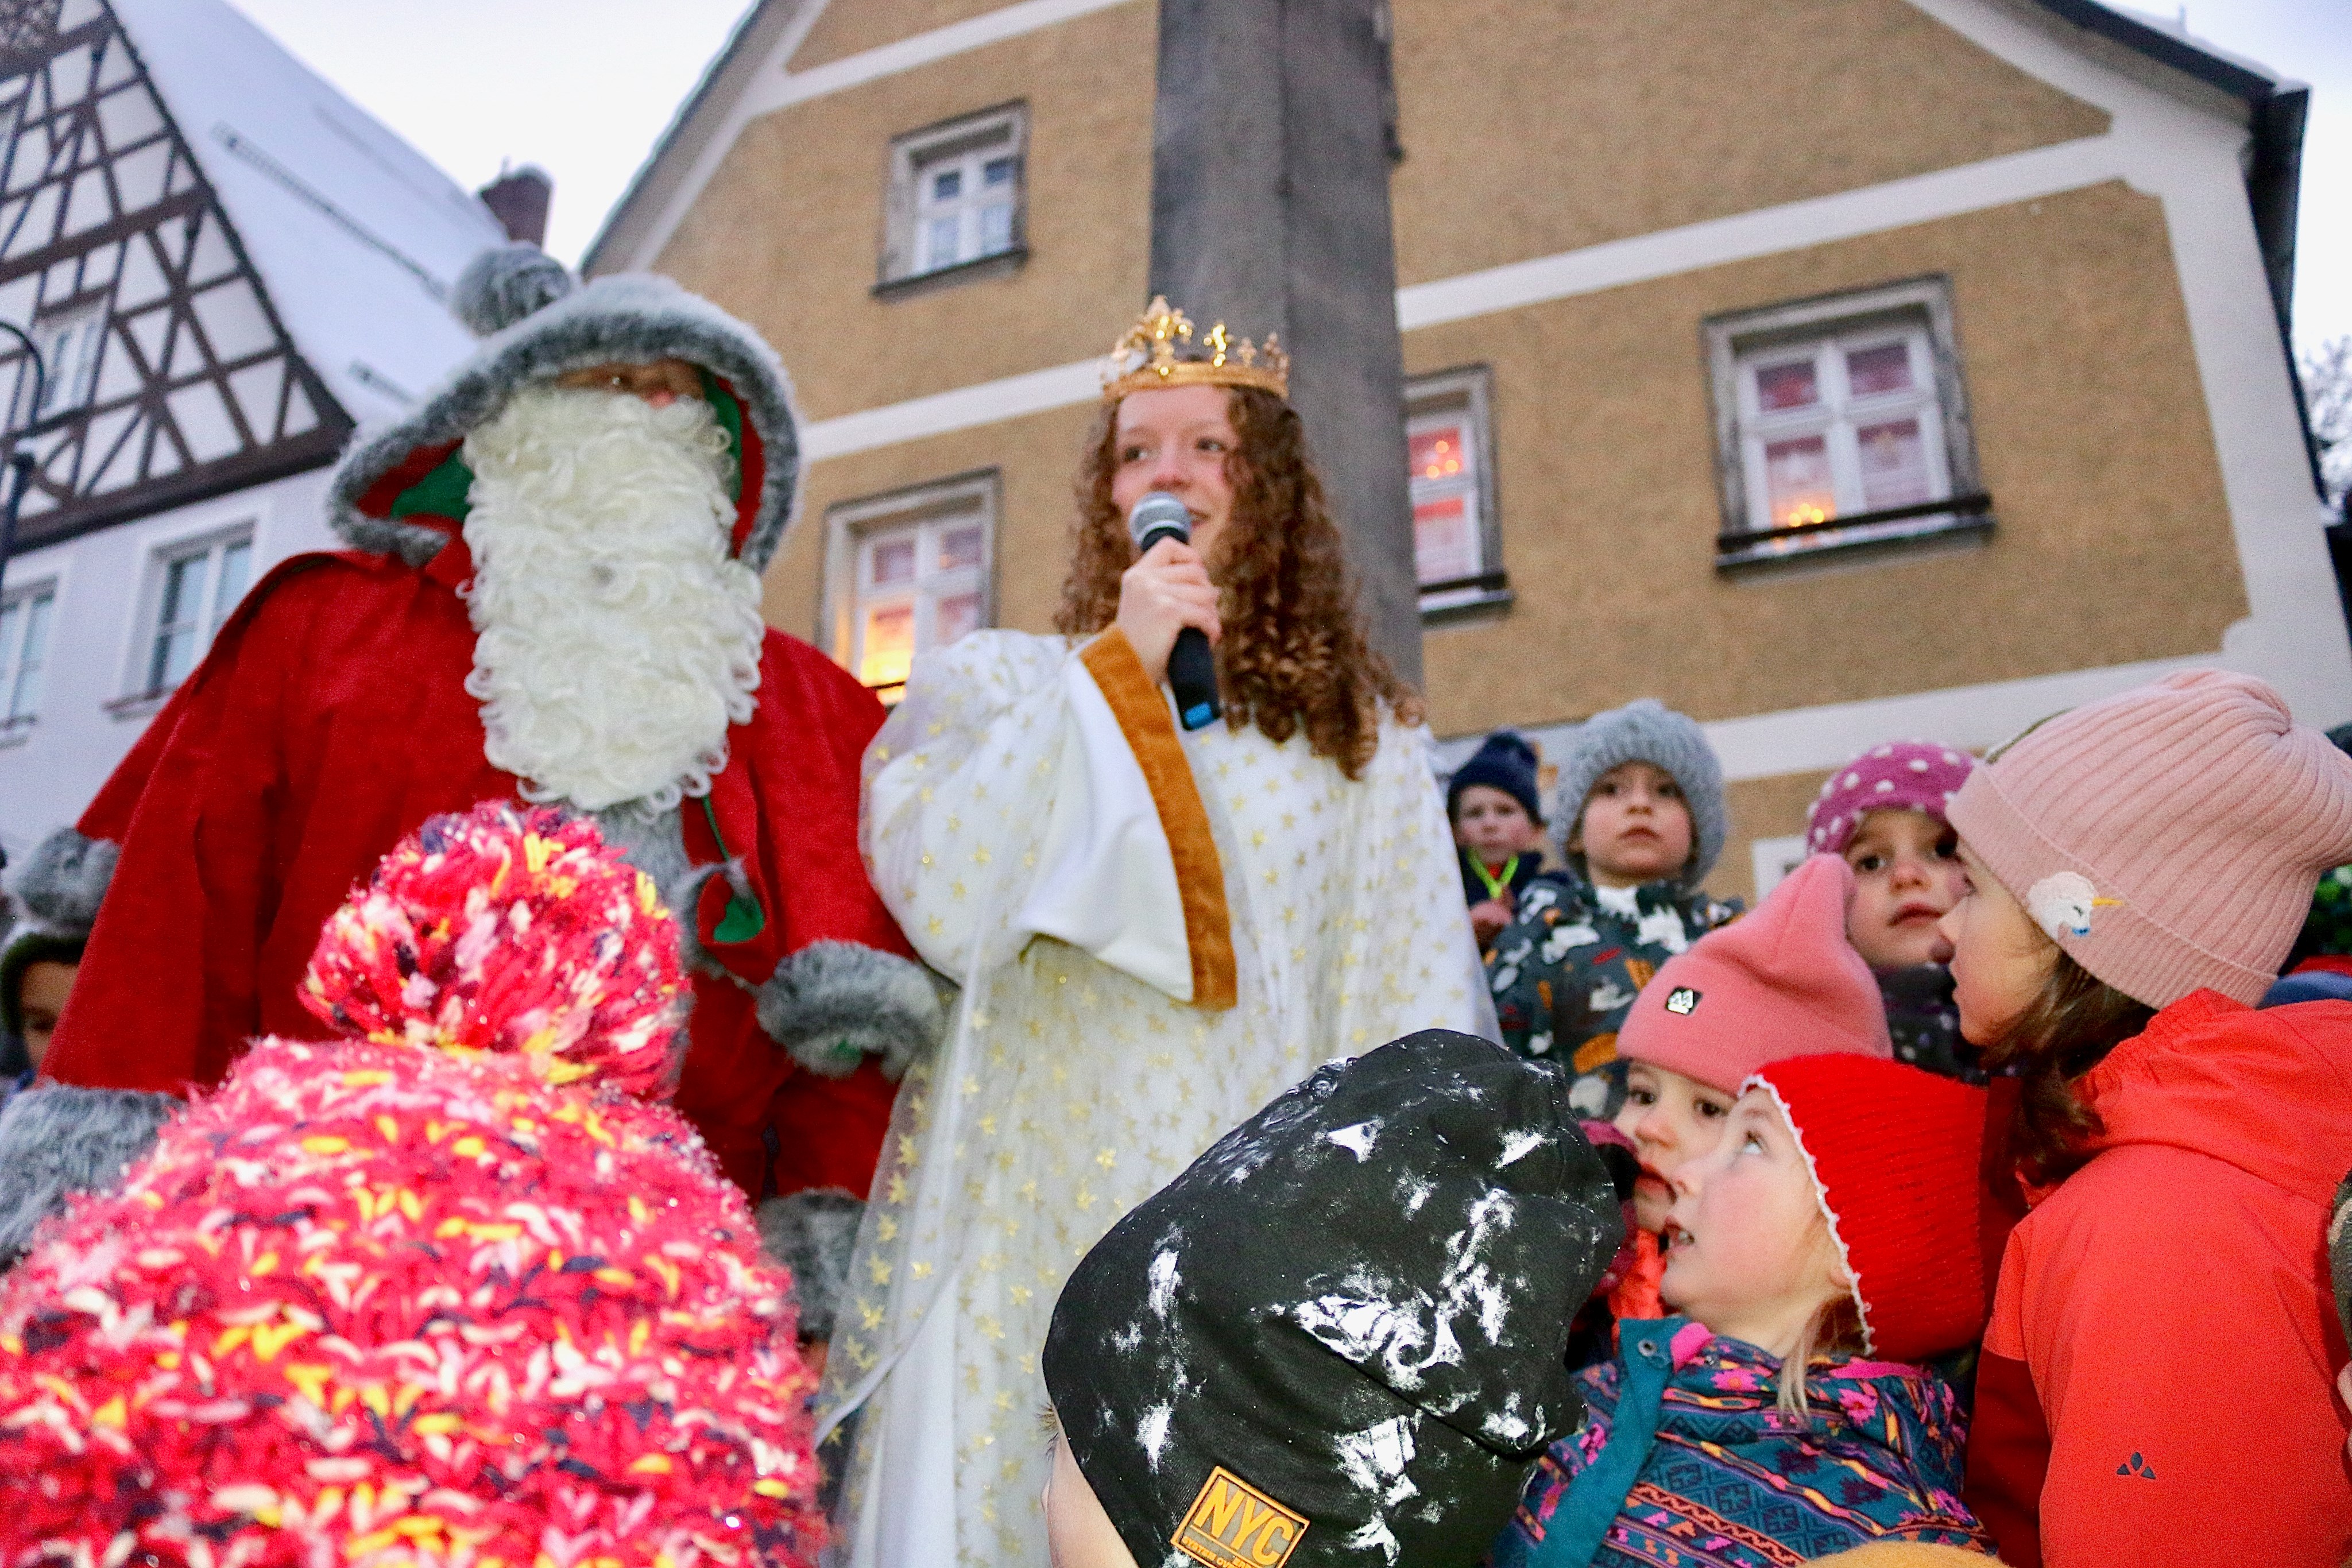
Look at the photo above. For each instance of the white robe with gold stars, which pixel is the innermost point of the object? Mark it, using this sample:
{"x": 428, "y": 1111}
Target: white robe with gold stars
{"x": 1155, "y": 932}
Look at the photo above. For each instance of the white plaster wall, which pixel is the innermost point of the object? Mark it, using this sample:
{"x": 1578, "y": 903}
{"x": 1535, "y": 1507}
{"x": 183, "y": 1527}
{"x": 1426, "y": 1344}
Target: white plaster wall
{"x": 95, "y": 641}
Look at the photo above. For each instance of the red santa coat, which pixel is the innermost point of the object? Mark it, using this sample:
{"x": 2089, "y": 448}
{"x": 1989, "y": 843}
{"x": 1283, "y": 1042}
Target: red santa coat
{"x": 329, "y": 721}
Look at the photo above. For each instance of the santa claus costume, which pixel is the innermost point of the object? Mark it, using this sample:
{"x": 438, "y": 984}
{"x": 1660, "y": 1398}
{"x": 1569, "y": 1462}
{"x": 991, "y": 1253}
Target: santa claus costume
{"x": 450, "y": 1288}
{"x": 552, "y": 593}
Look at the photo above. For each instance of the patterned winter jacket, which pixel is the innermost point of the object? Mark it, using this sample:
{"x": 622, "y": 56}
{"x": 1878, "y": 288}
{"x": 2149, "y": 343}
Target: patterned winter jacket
{"x": 1727, "y": 1481}
{"x": 1924, "y": 1022}
{"x": 1567, "y": 967}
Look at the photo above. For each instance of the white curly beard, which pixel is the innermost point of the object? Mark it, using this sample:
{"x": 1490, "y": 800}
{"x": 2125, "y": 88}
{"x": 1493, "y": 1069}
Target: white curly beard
{"x": 617, "y": 637}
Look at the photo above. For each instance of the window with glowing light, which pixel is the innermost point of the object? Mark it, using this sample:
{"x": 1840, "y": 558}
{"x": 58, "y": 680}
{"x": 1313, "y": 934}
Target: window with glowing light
{"x": 1449, "y": 456}
{"x": 908, "y": 573}
{"x": 1843, "y": 421}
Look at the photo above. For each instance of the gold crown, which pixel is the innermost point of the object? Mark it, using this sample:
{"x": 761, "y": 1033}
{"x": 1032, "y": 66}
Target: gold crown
{"x": 1145, "y": 356}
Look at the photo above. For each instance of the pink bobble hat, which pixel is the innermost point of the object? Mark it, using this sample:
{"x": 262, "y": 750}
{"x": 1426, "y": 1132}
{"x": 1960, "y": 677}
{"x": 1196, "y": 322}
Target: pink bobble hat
{"x": 1783, "y": 981}
{"x": 1900, "y": 776}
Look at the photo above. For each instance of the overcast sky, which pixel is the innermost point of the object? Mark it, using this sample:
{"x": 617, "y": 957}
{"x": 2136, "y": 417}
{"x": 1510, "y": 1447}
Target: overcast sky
{"x": 583, "y": 87}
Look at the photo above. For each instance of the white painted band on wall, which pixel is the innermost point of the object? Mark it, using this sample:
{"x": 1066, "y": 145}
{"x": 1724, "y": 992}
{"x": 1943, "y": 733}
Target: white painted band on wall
{"x": 1996, "y": 182}
{"x": 922, "y": 49}
{"x": 1816, "y": 739}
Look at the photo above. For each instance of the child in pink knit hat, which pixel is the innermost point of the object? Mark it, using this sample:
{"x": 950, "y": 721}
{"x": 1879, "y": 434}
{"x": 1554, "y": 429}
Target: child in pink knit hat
{"x": 2160, "y": 1351}
{"x": 1781, "y": 982}
{"x": 1883, "y": 813}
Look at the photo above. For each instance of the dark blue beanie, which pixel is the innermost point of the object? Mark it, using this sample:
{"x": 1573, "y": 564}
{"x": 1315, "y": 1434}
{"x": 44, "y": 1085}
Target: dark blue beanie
{"x": 1502, "y": 761}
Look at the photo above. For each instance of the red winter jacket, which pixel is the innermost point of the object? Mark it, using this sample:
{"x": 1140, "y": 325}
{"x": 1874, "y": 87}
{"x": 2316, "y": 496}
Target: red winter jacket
{"x": 2157, "y": 1380}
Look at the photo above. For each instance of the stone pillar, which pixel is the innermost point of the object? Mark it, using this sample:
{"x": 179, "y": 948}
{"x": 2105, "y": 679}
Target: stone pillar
{"x": 1271, "y": 151}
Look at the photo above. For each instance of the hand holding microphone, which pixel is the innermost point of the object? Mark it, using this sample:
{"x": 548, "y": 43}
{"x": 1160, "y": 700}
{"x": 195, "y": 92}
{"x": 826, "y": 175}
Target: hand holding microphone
{"x": 1167, "y": 607}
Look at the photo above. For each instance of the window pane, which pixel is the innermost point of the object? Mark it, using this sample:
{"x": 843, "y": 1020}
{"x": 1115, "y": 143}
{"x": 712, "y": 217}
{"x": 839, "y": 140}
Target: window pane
{"x": 995, "y": 229}
{"x": 956, "y": 615}
{"x": 237, "y": 565}
{"x": 1444, "y": 540}
{"x": 175, "y": 655}
{"x": 1884, "y": 369}
{"x": 996, "y": 171}
{"x": 1792, "y": 386}
{"x": 24, "y": 698}
{"x": 1893, "y": 465}
{"x": 947, "y": 185}
{"x": 893, "y": 561}
{"x": 939, "y": 249}
{"x": 1438, "y": 452}
{"x": 960, "y": 546}
{"x": 1797, "y": 482}
{"x": 887, "y": 650}
{"x": 184, "y": 591}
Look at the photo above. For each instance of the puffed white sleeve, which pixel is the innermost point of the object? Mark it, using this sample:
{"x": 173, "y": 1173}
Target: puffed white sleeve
{"x": 1028, "y": 787}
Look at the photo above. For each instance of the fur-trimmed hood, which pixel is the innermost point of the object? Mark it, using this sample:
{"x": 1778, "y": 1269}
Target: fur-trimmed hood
{"x": 403, "y": 490}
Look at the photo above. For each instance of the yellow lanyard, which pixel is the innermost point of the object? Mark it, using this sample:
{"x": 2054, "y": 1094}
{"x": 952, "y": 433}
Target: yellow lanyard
{"x": 1496, "y": 886}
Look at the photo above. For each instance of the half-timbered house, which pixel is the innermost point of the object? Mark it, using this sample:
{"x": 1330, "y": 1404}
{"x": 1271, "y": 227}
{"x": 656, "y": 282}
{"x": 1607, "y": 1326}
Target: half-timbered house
{"x": 226, "y": 267}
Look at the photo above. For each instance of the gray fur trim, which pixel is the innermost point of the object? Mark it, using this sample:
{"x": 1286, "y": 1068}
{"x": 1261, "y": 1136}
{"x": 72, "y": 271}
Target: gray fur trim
{"x": 64, "y": 879}
{"x": 815, "y": 1235}
{"x": 56, "y": 1141}
{"x": 628, "y": 318}
{"x": 1644, "y": 730}
{"x": 505, "y": 283}
{"x": 833, "y": 1002}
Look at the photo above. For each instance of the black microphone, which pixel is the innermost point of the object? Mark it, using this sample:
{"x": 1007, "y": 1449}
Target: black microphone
{"x": 1192, "y": 666}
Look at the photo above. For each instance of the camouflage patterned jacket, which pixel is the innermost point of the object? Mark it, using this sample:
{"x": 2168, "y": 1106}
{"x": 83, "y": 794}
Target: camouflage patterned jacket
{"x": 1566, "y": 970}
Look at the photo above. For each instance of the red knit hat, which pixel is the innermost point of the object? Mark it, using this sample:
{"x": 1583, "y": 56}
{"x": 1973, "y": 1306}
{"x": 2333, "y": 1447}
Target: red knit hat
{"x": 446, "y": 1289}
{"x": 1894, "y": 1153}
{"x": 1784, "y": 981}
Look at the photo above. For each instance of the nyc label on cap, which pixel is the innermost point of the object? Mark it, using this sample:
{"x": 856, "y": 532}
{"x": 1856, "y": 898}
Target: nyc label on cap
{"x": 1682, "y": 1001}
{"x": 1232, "y": 1524}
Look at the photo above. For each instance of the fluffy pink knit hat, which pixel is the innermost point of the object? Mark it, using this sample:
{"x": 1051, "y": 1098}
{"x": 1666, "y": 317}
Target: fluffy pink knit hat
{"x": 2167, "y": 838}
{"x": 1784, "y": 981}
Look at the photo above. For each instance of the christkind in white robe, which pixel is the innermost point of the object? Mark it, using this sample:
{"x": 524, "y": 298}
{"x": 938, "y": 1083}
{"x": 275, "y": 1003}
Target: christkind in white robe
{"x": 1155, "y": 934}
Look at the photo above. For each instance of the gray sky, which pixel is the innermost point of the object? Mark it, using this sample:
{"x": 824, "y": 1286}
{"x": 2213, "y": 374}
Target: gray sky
{"x": 583, "y": 87}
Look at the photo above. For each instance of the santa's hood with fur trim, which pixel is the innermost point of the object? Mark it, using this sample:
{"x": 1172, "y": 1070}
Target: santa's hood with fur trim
{"x": 404, "y": 490}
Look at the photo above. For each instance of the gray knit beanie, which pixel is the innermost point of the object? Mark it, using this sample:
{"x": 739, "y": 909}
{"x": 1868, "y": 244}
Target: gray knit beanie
{"x": 1644, "y": 730}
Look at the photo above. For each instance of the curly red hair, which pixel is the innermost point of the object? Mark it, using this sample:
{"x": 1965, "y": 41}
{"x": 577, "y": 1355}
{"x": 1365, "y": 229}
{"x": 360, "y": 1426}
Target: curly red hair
{"x": 1294, "y": 655}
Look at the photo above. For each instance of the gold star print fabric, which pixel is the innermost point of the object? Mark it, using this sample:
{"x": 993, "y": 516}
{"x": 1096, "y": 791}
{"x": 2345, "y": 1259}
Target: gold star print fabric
{"x": 1069, "y": 1089}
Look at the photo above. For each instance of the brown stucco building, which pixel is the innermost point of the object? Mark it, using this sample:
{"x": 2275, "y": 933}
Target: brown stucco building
{"x": 1832, "y": 370}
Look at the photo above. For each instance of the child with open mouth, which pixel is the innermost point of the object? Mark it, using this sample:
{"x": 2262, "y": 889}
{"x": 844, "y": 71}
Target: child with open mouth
{"x": 1781, "y": 982}
{"x": 1818, "y": 1255}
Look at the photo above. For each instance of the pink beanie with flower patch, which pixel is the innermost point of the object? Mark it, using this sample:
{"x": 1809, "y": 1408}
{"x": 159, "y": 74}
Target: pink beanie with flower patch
{"x": 1900, "y": 776}
{"x": 1783, "y": 981}
{"x": 2169, "y": 837}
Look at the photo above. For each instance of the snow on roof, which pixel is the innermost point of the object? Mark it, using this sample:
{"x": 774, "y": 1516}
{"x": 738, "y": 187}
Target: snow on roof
{"x": 357, "y": 237}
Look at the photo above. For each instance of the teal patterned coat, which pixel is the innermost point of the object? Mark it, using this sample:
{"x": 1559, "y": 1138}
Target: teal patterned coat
{"x": 1710, "y": 1474}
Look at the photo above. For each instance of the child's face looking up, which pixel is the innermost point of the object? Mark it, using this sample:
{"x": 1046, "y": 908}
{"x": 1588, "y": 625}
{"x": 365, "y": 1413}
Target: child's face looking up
{"x": 1748, "y": 1249}
{"x": 1671, "y": 1120}
{"x": 2001, "y": 959}
{"x": 1906, "y": 877}
{"x": 1492, "y": 824}
{"x": 1635, "y": 827}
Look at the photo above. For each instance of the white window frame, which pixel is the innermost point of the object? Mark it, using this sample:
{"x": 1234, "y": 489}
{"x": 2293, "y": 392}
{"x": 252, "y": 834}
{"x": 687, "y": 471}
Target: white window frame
{"x": 1464, "y": 395}
{"x": 72, "y": 341}
{"x": 18, "y": 710}
{"x": 143, "y": 680}
{"x": 968, "y": 143}
{"x": 929, "y": 511}
{"x": 1916, "y": 313}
